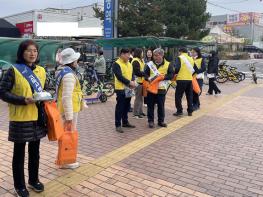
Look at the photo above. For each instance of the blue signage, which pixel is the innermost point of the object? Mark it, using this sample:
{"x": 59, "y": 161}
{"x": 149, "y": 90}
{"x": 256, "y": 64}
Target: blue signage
{"x": 108, "y": 18}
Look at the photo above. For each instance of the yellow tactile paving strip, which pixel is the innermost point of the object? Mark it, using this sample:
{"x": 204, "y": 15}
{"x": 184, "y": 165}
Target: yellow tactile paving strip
{"x": 61, "y": 184}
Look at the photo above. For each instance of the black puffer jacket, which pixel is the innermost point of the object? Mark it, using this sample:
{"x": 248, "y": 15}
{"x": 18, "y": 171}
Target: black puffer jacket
{"x": 213, "y": 65}
{"x": 26, "y": 131}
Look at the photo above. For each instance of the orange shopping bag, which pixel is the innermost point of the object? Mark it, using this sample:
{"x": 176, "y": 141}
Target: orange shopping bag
{"x": 67, "y": 148}
{"x": 154, "y": 85}
{"x": 145, "y": 85}
{"x": 196, "y": 87}
{"x": 54, "y": 122}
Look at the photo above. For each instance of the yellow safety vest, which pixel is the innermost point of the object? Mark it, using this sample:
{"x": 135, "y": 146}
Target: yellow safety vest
{"x": 21, "y": 87}
{"x": 126, "y": 70}
{"x": 77, "y": 96}
{"x": 141, "y": 62}
{"x": 184, "y": 73}
{"x": 163, "y": 69}
{"x": 198, "y": 63}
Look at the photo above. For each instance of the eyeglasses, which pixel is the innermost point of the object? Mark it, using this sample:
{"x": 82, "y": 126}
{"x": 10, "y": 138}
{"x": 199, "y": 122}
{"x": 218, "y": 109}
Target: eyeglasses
{"x": 31, "y": 51}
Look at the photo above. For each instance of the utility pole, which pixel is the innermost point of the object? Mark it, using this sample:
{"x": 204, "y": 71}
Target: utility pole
{"x": 116, "y": 12}
{"x": 252, "y": 27}
{"x": 115, "y": 25}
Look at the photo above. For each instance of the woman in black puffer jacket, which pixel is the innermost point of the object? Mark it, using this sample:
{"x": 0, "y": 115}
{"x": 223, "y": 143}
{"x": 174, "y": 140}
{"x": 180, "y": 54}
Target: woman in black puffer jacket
{"x": 212, "y": 71}
{"x": 24, "y": 114}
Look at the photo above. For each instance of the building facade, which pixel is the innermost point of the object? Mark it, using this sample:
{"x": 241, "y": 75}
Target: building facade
{"x": 58, "y": 23}
{"x": 246, "y": 25}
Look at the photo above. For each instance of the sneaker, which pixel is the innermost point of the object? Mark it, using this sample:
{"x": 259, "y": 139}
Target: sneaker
{"x": 151, "y": 125}
{"x": 162, "y": 124}
{"x": 138, "y": 117}
{"x": 143, "y": 114}
{"x": 70, "y": 166}
{"x": 190, "y": 113}
{"x": 217, "y": 93}
{"x": 178, "y": 114}
{"x": 119, "y": 129}
{"x": 37, "y": 187}
{"x": 209, "y": 94}
{"x": 21, "y": 192}
{"x": 128, "y": 125}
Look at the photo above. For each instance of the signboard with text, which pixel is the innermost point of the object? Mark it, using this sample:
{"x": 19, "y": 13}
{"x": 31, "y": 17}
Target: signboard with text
{"x": 25, "y": 28}
{"x": 244, "y": 18}
{"x": 108, "y": 18}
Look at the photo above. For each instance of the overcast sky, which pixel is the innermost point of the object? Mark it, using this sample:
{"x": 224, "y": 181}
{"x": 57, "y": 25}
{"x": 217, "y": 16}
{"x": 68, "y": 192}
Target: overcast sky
{"x": 9, "y": 7}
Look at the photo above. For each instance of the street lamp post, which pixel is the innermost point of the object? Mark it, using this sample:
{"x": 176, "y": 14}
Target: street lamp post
{"x": 115, "y": 24}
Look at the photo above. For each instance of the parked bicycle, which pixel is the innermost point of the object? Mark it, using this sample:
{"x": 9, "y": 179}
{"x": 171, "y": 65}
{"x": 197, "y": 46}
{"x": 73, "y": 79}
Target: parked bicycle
{"x": 50, "y": 79}
{"x": 109, "y": 72}
{"x": 226, "y": 72}
{"x": 92, "y": 83}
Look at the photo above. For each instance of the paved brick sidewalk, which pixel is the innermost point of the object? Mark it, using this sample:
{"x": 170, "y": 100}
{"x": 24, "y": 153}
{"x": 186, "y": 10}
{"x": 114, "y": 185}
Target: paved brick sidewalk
{"x": 215, "y": 153}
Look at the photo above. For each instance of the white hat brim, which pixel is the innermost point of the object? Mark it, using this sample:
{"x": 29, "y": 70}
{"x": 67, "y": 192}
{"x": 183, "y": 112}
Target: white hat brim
{"x": 73, "y": 58}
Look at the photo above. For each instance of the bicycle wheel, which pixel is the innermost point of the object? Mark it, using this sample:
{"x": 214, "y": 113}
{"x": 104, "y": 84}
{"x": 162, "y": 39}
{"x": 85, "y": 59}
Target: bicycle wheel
{"x": 108, "y": 89}
{"x": 221, "y": 79}
{"x": 103, "y": 98}
{"x": 222, "y": 76}
{"x": 235, "y": 78}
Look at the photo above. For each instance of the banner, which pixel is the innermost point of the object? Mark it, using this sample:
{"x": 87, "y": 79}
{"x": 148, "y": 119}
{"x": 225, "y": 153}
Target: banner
{"x": 108, "y": 18}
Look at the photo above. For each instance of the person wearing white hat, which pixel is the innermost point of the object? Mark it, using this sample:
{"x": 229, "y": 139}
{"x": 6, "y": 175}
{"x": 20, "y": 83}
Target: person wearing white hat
{"x": 69, "y": 93}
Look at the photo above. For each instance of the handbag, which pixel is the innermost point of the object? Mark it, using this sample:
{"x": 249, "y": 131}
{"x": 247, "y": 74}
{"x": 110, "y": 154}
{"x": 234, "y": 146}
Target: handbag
{"x": 196, "y": 87}
{"x": 145, "y": 85}
{"x": 67, "y": 148}
{"x": 54, "y": 124}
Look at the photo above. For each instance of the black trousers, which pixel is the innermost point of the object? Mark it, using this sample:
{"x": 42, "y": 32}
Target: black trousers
{"x": 182, "y": 87}
{"x": 196, "y": 100}
{"x": 153, "y": 99}
{"x": 19, "y": 160}
{"x": 213, "y": 86}
{"x": 122, "y": 108}
{"x": 145, "y": 100}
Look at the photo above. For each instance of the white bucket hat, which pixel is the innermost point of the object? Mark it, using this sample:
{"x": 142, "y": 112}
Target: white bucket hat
{"x": 68, "y": 56}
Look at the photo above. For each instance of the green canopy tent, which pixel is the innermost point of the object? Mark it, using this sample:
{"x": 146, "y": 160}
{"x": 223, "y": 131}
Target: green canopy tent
{"x": 47, "y": 49}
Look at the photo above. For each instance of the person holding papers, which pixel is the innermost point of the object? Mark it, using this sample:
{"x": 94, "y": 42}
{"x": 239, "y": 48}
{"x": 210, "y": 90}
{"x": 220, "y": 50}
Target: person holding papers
{"x": 158, "y": 72}
{"x": 19, "y": 84}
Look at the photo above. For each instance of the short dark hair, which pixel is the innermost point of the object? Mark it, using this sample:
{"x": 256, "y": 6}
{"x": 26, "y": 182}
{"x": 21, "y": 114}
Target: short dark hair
{"x": 100, "y": 52}
{"x": 124, "y": 50}
{"x": 183, "y": 50}
{"x": 21, "y": 49}
{"x": 138, "y": 53}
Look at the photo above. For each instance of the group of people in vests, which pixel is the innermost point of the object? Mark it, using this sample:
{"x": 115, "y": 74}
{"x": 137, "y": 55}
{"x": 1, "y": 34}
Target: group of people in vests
{"x": 132, "y": 75}
{"x": 28, "y": 125}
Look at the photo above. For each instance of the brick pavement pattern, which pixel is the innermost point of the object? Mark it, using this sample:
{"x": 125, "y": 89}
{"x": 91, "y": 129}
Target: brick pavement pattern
{"x": 217, "y": 154}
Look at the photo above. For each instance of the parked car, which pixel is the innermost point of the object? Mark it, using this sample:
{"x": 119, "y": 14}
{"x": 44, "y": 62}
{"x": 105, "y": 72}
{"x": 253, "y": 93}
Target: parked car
{"x": 252, "y": 49}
